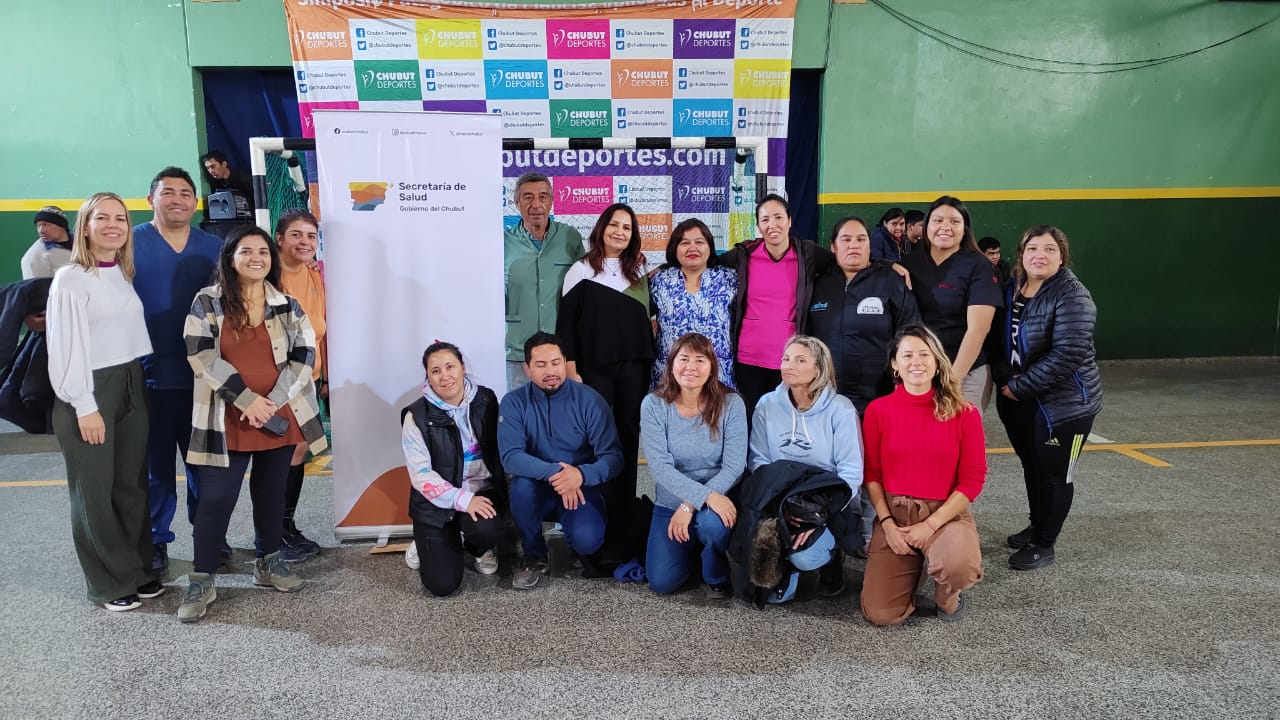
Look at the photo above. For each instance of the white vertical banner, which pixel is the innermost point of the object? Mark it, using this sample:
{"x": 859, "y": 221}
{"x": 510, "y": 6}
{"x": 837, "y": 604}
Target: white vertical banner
{"x": 412, "y": 219}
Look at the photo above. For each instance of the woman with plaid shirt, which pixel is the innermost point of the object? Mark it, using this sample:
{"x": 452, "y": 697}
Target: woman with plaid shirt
{"x": 253, "y": 352}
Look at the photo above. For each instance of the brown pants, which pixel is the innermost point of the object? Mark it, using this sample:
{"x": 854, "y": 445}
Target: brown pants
{"x": 891, "y": 580}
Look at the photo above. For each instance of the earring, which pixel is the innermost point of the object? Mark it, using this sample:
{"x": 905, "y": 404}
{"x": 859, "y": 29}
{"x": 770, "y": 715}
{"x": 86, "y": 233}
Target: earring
{"x": 896, "y": 376}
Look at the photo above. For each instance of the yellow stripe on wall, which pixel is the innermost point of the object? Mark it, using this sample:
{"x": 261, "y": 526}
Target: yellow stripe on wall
{"x": 1061, "y": 194}
{"x": 70, "y": 205}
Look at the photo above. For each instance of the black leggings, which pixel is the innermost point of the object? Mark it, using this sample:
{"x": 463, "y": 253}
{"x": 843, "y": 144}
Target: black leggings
{"x": 623, "y": 386}
{"x": 440, "y": 549}
{"x": 1048, "y": 459}
{"x": 219, "y": 491}
{"x": 754, "y": 383}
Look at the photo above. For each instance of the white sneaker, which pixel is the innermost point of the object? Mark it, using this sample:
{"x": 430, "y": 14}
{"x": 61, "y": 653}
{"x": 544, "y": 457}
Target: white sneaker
{"x": 411, "y": 556}
{"x": 487, "y": 564}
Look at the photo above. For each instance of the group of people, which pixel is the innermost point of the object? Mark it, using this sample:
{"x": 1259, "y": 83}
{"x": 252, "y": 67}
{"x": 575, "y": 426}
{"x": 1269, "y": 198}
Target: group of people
{"x": 163, "y": 337}
{"x": 794, "y": 403}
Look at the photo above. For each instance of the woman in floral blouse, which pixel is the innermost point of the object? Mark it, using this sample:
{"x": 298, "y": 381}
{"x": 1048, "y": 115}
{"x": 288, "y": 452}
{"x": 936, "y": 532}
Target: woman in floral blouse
{"x": 692, "y": 293}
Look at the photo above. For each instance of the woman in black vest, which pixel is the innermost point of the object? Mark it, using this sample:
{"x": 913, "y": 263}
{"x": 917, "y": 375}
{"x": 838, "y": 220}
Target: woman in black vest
{"x": 450, "y": 441}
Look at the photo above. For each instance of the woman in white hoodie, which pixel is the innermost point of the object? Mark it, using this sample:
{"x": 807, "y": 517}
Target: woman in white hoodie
{"x": 805, "y": 420}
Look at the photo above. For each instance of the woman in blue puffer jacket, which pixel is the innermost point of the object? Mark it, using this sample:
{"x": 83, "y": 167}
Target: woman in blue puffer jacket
{"x": 1050, "y": 391}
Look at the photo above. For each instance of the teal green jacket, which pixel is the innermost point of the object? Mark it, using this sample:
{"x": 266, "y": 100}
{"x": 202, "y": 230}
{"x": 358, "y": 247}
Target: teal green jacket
{"x": 533, "y": 280}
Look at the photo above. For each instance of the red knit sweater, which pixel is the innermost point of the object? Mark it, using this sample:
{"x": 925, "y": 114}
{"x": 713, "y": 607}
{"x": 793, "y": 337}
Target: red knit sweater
{"x": 910, "y": 453}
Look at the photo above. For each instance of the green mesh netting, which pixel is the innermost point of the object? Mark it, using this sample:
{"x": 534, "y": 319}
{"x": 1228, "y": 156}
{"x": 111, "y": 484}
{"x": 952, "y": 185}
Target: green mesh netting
{"x": 281, "y": 194}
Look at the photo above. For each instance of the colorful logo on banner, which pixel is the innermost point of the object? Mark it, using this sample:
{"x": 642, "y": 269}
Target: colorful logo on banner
{"x": 706, "y": 69}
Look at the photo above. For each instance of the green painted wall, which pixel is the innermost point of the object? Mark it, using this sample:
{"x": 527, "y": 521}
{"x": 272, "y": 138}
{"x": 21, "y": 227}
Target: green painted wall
{"x": 245, "y": 33}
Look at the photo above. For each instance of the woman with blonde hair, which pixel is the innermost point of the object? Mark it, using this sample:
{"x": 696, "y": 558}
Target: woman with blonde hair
{"x": 925, "y": 463}
{"x": 96, "y": 335}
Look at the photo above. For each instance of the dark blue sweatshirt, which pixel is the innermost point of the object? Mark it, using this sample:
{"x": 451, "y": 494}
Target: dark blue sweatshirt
{"x": 537, "y": 431}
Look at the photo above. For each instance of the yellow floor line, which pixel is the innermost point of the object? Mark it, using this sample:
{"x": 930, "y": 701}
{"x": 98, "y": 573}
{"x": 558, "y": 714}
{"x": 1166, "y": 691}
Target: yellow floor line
{"x": 1140, "y": 457}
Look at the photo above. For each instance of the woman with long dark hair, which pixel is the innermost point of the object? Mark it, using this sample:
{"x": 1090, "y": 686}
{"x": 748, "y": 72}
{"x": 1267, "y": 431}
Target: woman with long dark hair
{"x": 889, "y": 237}
{"x": 96, "y": 335}
{"x": 608, "y": 342}
{"x": 695, "y": 441}
{"x": 450, "y": 442}
{"x": 1050, "y": 390}
{"x": 693, "y": 293}
{"x": 925, "y": 463}
{"x": 958, "y": 294}
{"x": 253, "y": 351}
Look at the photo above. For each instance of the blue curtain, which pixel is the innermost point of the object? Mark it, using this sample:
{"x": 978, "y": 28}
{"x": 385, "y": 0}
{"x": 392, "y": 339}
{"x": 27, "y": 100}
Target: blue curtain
{"x": 802, "y": 152}
{"x": 240, "y": 104}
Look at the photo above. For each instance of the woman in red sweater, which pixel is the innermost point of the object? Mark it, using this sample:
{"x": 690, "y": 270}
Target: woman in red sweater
{"x": 925, "y": 461}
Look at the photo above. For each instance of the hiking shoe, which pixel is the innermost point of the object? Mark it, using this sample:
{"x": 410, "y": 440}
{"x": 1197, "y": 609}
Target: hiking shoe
{"x": 1031, "y": 557}
{"x": 1020, "y": 539}
{"x": 150, "y": 590}
{"x": 295, "y": 547}
{"x": 128, "y": 602}
{"x": 527, "y": 577}
{"x": 954, "y": 615}
{"x": 487, "y": 564}
{"x": 271, "y": 571}
{"x": 295, "y": 537}
{"x": 718, "y": 592}
{"x": 411, "y": 556}
{"x": 159, "y": 561}
{"x": 831, "y": 575}
{"x": 199, "y": 596}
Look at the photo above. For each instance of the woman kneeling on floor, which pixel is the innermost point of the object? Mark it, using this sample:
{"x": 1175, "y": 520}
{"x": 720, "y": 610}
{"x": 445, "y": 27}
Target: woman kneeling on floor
{"x": 925, "y": 462}
{"x": 450, "y": 441}
{"x": 253, "y": 352}
{"x": 695, "y": 440}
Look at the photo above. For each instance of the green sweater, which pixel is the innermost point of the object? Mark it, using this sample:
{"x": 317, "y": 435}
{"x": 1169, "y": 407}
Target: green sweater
{"x": 533, "y": 279}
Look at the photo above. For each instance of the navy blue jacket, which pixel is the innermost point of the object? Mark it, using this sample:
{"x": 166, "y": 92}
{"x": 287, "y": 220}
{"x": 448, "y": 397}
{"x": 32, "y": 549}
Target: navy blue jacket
{"x": 1055, "y": 349}
{"x": 537, "y": 431}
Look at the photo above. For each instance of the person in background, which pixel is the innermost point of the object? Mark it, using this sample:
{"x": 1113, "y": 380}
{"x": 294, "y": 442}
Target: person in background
{"x": 537, "y": 253}
{"x": 174, "y": 261}
{"x": 96, "y": 334}
{"x": 559, "y": 445}
{"x": 695, "y": 441}
{"x": 608, "y": 342}
{"x": 990, "y": 247}
{"x": 1050, "y": 390}
{"x": 458, "y": 494}
{"x": 298, "y": 237}
{"x": 52, "y": 248}
{"x": 775, "y": 282}
{"x": 857, "y": 308}
{"x": 888, "y": 238}
{"x": 222, "y": 177}
{"x": 253, "y": 352}
{"x": 915, "y": 231}
{"x": 693, "y": 293}
{"x": 958, "y": 294}
{"x": 925, "y": 463}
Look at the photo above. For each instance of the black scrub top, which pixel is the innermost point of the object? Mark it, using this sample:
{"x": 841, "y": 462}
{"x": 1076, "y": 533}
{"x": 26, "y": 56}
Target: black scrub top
{"x": 945, "y": 292}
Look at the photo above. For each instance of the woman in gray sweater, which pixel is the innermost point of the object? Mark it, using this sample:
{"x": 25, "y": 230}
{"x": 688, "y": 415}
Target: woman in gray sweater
{"x": 694, "y": 431}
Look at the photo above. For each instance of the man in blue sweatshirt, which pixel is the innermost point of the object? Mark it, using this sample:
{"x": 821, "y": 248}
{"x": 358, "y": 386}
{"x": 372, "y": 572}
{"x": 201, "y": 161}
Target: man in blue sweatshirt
{"x": 174, "y": 261}
{"x": 559, "y": 443}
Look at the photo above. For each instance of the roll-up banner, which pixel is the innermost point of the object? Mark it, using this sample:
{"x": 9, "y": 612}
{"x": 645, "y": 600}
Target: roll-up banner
{"x": 412, "y": 222}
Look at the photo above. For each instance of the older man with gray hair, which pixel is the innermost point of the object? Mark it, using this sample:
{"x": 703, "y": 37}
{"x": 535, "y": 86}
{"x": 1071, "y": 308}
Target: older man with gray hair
{"x": 538, "y": 253}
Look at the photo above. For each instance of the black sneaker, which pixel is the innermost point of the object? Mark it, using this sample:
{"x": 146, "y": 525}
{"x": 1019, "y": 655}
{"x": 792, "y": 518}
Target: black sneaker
{"x": 718, "y": 592}
{"x": 151, "y": 590}
{"x": 1020, "y": 539}
{"x": 128, "y": 602}
{"x": 1031, "y": 557}
{"x": 954, "y": 615}
{"x": 831, "y": 575}
{"x": 295, "y": 547}
{"x": 160, "y": 561}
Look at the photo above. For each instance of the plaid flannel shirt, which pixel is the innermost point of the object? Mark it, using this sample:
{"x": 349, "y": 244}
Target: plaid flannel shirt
{"x": 217, "y": 382}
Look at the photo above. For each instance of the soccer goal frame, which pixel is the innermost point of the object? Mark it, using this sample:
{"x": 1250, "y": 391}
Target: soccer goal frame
{"x": 756, "y": 145}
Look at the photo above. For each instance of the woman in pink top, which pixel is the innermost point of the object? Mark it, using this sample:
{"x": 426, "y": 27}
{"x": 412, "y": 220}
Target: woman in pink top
{"x": 925, "y": 463}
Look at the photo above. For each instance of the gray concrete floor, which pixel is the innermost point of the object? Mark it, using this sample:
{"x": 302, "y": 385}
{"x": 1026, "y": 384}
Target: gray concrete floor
{"x": 1162, "y": 604}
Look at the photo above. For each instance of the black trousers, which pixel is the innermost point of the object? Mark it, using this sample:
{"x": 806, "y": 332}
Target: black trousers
{"x": 219, "y": 491}
{"x": 623, "y": 386}
{"x": 1048, "y": 458}
{"x": 754, "y": 383}
{"x": 440, "y": 549}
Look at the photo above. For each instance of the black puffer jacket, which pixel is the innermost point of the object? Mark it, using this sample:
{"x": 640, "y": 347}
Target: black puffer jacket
{"x": 1055, "y": 348}
{"x": 26, "y": 395}
{"x": 445, "y": 443}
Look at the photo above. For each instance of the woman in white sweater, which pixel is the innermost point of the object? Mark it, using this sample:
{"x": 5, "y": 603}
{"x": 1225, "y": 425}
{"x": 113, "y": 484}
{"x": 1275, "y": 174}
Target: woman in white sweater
{"x": 96, "y": 333}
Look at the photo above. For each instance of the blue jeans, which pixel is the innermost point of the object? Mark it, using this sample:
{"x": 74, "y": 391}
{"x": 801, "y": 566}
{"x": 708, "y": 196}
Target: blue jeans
{"x": 169, "y": 427}
{"x": 667, "y": 561}
{"x": 811, "y": 558}
{"x": 533, "y": 501}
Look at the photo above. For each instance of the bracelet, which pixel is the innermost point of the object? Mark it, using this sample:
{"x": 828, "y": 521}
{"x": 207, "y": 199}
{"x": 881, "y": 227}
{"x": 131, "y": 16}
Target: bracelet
{"x": 883, "y": 520}
{"x": 685, "y": 507}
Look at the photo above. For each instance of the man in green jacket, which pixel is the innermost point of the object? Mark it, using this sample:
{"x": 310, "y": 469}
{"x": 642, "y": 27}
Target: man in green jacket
{"x": 538, "y": 253}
